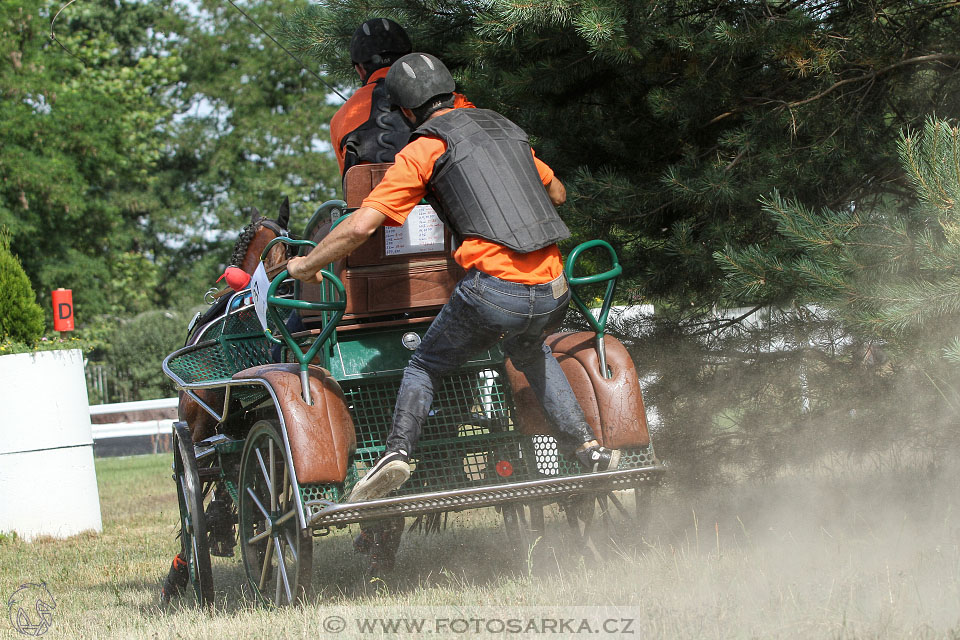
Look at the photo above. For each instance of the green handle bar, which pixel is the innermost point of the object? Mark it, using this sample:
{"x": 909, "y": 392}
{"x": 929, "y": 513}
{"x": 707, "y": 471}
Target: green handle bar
{"x": 599, "y": 323}
{"x": 336, "y": 307}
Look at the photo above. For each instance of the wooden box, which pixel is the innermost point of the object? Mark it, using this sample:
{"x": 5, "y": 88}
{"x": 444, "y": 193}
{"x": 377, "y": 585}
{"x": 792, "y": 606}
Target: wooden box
{"x": 401, "y": 271}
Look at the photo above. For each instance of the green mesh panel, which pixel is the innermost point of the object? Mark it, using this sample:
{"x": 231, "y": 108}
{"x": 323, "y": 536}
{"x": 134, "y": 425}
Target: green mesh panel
{"x": 200, "y": 365}
{"x": 239, "y": 344}
{"x": 468, "y": 439}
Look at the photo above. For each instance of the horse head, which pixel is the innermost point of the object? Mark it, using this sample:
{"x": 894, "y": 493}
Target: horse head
{"x": 256, "y": 235}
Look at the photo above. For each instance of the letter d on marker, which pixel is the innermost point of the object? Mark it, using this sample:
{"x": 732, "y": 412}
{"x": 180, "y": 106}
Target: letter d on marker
{"x": 62, "y": 310}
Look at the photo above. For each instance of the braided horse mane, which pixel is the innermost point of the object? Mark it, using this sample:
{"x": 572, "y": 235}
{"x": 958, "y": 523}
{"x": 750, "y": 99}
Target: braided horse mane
{"x": 256, "y": 234}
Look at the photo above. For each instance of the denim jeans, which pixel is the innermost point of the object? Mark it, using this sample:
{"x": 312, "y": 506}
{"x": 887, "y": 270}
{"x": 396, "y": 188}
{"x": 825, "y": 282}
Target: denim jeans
{"x": 482, "y": 311}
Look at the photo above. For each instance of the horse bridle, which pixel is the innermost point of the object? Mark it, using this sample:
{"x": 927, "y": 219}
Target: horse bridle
{"x": 289, "y": 249}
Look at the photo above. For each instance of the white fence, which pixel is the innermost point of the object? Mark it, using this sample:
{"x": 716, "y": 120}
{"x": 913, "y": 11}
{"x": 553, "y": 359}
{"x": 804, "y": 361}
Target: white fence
{"x": 128, "y": 428}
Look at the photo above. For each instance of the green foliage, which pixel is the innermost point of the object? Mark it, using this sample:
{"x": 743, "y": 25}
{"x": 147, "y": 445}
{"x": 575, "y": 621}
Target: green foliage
{"x": 21, "y": 318}
{"x": 136, "y": 349}
{"x": 81, "y": 138}
{"x": 893, "y": 271}
{"x": 669, "y": 120}
{"x": 251, "y": 129}
{"x": 46, "y": 344}
{"x": 128, "y": 165}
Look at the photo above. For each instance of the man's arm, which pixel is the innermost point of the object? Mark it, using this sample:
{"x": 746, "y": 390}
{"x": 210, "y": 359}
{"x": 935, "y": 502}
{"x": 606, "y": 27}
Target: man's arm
{"x": 339, "y": 243}
{"x": 557, "y": 192}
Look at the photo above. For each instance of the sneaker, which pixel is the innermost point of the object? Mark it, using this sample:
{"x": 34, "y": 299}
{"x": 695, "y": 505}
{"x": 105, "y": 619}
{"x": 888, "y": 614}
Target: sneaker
{"x": 599, "y": 458}
{"x": 391, "y": 471}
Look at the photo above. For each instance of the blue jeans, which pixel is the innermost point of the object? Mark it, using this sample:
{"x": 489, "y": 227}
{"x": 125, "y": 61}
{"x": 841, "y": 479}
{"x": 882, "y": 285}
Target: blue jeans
{"x": 482, "y": 311}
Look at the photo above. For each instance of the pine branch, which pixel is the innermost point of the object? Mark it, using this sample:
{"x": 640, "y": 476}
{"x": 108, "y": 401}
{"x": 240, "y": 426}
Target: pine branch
{"x": 933, "y": 57}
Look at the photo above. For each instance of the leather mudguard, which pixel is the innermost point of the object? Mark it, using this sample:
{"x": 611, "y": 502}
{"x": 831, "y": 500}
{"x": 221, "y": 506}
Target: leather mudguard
{"x": 321, "y": 435}
{"x": 613, "y": 406}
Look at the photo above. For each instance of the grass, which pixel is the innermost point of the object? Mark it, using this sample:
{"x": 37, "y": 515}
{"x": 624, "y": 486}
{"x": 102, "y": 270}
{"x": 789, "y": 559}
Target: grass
{"x": 860, "y": 553}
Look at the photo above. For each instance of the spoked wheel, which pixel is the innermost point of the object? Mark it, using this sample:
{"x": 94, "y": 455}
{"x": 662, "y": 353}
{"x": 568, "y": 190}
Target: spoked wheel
{"x": 592, "y": 520}
{"x": 277, "y": 553}
{"x": 643, "y": 500}
{"x": 522, "y": 533}
{"x": 195, "y": 548}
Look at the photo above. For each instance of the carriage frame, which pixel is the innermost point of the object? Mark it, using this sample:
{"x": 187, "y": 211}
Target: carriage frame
{"x": 472, "y": 453}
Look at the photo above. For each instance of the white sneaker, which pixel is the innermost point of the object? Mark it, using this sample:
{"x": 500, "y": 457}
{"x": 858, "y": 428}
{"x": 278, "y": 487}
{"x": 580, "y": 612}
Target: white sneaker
{"x": 390, "y": 471}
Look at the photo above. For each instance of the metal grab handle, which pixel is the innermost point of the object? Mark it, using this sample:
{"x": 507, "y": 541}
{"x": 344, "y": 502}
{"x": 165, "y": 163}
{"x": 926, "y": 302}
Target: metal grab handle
{"x": 336, "y": 307}
{"x": 599, "y": 323}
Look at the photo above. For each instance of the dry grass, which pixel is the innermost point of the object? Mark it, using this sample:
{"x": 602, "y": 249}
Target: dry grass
{"x": 856, "y": 553}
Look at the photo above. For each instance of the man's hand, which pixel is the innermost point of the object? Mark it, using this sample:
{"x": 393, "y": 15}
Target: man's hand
{"x": 299, "y": 269}
{"x": 345, "y": 237}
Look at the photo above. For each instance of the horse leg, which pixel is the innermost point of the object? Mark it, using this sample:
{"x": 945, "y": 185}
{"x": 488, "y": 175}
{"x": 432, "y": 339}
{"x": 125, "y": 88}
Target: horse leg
{"x": 201, "y": 424}
{"x": 176, "y": 580}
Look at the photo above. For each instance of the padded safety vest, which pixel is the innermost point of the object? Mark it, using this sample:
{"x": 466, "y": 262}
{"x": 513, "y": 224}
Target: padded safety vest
{"x": 379, "y": 138}
{"x": 486, "y": 184}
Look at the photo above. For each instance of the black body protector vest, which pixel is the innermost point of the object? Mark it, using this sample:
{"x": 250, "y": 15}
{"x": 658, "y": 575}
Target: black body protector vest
{"x": 486, "y": 184}
{"x": 378, "y": 139}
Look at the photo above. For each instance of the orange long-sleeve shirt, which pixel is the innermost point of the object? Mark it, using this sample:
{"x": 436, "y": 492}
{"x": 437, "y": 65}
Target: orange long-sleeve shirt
{"x": 404, "y": 186}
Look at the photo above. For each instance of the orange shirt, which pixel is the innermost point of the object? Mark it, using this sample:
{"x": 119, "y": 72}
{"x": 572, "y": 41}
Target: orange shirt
{"x": 356, "y": 111}
{"x": 404, "y": 186}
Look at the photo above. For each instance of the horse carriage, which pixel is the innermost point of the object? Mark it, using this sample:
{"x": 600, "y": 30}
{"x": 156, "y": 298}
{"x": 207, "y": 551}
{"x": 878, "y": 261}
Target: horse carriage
{"x": 278, "y": 423}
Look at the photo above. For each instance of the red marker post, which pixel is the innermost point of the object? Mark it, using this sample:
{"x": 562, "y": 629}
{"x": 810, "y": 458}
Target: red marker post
{"x": 63, "y": 310}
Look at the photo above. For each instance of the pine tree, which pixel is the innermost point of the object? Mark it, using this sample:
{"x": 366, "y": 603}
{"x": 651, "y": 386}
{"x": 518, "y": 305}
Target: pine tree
{"x": 893, "y": 272}
{"x": 669, "y": 121}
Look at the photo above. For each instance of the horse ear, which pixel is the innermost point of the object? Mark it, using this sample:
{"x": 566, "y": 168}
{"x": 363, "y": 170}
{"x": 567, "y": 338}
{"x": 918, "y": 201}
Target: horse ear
{"x": 284, "y": 218}
{"x": 255, "y": 215}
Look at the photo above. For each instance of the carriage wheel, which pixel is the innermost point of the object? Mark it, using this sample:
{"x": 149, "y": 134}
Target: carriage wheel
{"x": 193, "y": 537}
{"x": 522, "y": 534}
{"x": 643, "y": 502}
{"x": 592, "y": 520}
{"x": 277, "y": 553}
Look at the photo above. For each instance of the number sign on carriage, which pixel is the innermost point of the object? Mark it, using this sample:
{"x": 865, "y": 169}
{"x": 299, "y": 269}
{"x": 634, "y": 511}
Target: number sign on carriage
{"x": 421, "y": 233}
{"x": 259, "y": 285}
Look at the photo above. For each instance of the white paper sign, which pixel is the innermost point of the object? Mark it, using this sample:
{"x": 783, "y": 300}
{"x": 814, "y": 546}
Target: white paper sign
{"x": 421, "y": 233}
{"x": 259, "y": 285}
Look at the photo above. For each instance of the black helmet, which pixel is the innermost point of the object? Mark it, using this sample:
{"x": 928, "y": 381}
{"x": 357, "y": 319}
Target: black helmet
{"x": 417, "y": 77}
{"x": 378, "y": 37}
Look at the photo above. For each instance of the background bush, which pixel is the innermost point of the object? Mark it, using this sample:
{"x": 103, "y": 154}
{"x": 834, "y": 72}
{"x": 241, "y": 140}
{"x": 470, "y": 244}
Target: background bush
{"x": 136, "y": 350}
{"x": 21, "y": 318}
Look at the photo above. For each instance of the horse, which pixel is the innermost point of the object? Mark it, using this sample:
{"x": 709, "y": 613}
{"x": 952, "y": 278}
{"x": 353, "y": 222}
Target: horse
{"x": 221, "y": 513}
{"x": 246, "y": 256}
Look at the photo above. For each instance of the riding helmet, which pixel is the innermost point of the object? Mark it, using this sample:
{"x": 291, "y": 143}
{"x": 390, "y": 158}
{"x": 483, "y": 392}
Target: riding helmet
{"x": 378, "y": 37}
{"x": 417, "y": 77}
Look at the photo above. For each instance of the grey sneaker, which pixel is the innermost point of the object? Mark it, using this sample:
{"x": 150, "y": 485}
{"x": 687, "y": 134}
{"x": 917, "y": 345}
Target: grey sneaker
{"x": 391, "y": 471}
{"x": 599, "y": 459}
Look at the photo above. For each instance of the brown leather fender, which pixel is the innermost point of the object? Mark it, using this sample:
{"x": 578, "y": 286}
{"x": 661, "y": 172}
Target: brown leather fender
{"x": 321, "y": 435}
{"x": 613, "y": 406}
